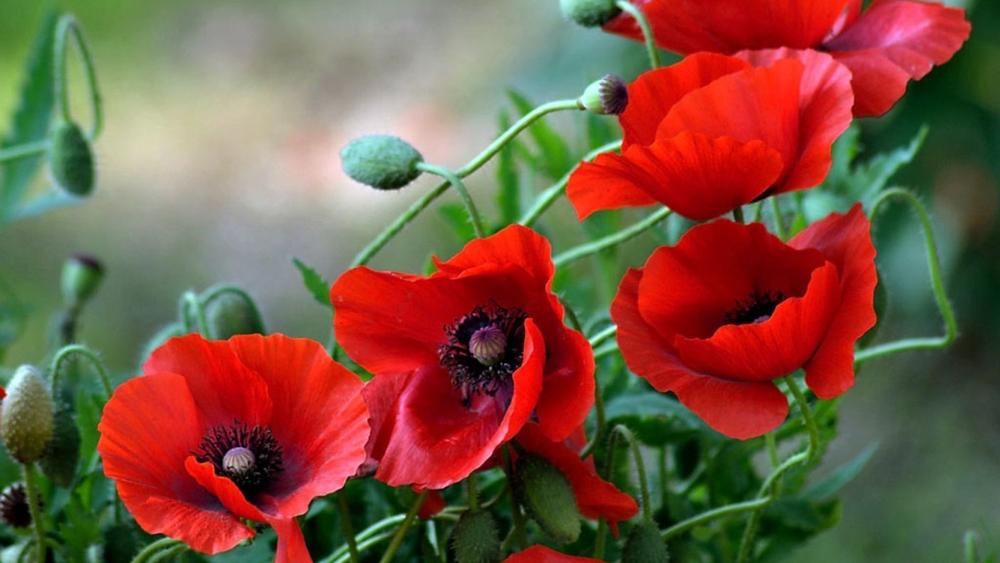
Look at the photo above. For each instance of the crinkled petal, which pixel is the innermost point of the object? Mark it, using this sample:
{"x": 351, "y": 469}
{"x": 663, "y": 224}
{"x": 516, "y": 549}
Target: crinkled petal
{"x": 542, "y": 554}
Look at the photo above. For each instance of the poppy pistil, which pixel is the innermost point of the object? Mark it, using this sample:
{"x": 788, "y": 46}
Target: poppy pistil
{"x": 484, "y": 349}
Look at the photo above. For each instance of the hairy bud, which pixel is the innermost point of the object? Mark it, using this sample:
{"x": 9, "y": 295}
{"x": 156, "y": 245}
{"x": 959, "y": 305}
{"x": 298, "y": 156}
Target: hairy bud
{"x": 81, "y": 276}
{"x": 383, "y": 162}
{"x": 590, "y": 13}
{"x": 59, "y": 463}
{"x": 546, "y": 494}
{"x": 70, "y": 160}
{"x": 229, "y": 313}
{"x": 644, "y": 545}
{"x": 27, "y": 417}
{"x": 476, "y": 538}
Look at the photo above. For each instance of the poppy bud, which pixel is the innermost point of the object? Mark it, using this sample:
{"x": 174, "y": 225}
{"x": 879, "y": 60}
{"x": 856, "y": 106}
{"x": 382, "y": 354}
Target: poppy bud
{"x": 644, "y": 545}
{"x": 59, "y": 463}
{"x": 607, "y": 96}
{"x": 590, "y": 13}
{"x": 120, "y": 543}
{"x": 27, "y": 418}
{"x": 70, "y": 159}
{"x": 476, "y": 539}
{"x": 14, "y": 509}
{"x": 230, "y": 313}
{"x": 81, "y": 276}
{"x": 383, "y": 162}
{"x": 546, "y": 494}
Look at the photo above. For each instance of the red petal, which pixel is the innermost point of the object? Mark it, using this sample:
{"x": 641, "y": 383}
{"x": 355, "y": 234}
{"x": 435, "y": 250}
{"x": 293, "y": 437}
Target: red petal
{"x": 319, "y": 416}
{"x": 738, "y": 410}
{"x": 595, "y": 497}
{"x": 568, "y": 386}
{"x": 542, "y": 554}
{"x": 609, "y": 182}
{"x": 512, "y": 246}
{"x": 222, "y": 387}
{"x": 433, "y": 440}
{"x": 846, "y": 241}
{"x": 893, "y": 41}
{"x": 432, "y": 505}
{"x": 148, "y": 428}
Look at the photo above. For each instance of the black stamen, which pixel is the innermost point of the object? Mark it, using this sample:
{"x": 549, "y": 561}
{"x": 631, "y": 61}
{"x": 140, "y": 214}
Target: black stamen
{"x": 757, "y": 308}
{"x": 14, "y": 506}
{"x": 250, "y": 457}
{"x": 484, "y": 349}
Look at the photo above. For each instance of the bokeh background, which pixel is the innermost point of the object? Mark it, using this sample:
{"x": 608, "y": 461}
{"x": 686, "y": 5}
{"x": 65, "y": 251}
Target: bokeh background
{"x": 219, "y": 163}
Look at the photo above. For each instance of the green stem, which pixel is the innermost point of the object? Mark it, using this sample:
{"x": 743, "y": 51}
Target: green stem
{"x": 647, "y": 32}
{"x": 937, "y": 285}
{"x": 35, "y": 509}
{"x": 473, "y": 494}
{"x": 24, "y": 151}
{"x": 555, "y": 191}
{"x": 738, "y": 215}
{"x": 189, "y": 302}
{"x": 370, "y": 531}
{"x": 750, "y": 532}
{"x": 363, "y": 546}
{"x": 640, "y": 468}
{"x": 779, "y": 218}
{"x": 346, "y": 527}
{"x": 168, "y": 554}
{"x": 807, "y": 415}
{"x": 609, "y": 241}
{"x": 68, "y": 24}
{"x": 397, "y": 539}
{"x": 603, "y": 336}
{"x": 606, "y": 351}
{"x": 456, "y": 182}
{"x": 714, "y": 514}
{"x": 971, "y": 548}
{"x": 152, "y": 549}
{"x": 91, "y": 356}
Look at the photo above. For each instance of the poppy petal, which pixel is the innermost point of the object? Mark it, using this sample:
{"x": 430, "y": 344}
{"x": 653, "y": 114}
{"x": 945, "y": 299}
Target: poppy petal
{"x": 542, "y": 554}
{"x": 894, "y": 41}
{"x": 434, "y": 440}
{"x": 846, "y": 241}
{"x": 514, "y": 245}
{"x": 222, "y": 387}
{"x": 568, "y": 391}
{"x": 319, "y": 416}
{"x": 143, "y": 449}
{"x": 610, "y": 181}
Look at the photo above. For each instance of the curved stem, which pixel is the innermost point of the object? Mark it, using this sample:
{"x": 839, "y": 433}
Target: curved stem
{"x": 714, "y": 514}
{"x": 640, "y": 468}
{"x": 95, "y": 360}
{"x": 937, "y": 285}
{"x": 970, "y": 546}
{"x": 456, "y": 182}
{"x": 152, "y": 549}
{"x": 779, "y": 218}
{"x": 397, "y": 539}
{"x": 603, "y": 336}
{"x": 189, "y": 302}
{"x": 647, "y": 32}
{"x": 346, "y": 527}
{"x": 807, "y": 416}
{"x": 553, "y": 192}
{"x": 35, "y": 509}
{"x": 168, "y": 554}
{"x": 68, "y": 25}
{"x": 472, "y": 492}
{"x": 370, "y": 531}
{"x": 387, "y": 234}
{"x": 609, "y": 241}
{"x": 24, "y": 151}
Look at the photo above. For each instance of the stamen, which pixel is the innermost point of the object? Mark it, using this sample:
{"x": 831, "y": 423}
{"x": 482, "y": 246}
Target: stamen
{"x": 757, "y": 308}
{"x": 484, "y": 349}
{"x": 250, "y": 457}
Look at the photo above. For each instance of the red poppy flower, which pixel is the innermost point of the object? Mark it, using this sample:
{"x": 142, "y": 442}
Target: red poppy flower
{"x": 542, "y": 554}
{"x": 463, "y": 358}
{"x": 885, "y": 47}
{"x": 595, "y": 497}
{"x": 712, "y": 132}
{"x": 741, "y": 308}
{"x": 254, "y": 427}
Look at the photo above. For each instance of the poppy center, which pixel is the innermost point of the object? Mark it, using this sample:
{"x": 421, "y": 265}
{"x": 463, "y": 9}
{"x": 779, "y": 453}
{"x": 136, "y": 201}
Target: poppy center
{"x": 248, "y": 455}
{"x": 756, "y": 308}
{"x": 484, "y": 349}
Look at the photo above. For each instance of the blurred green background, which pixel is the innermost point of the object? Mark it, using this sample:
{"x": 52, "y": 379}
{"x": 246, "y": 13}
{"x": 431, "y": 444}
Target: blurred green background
{"x": 219, "y": 163}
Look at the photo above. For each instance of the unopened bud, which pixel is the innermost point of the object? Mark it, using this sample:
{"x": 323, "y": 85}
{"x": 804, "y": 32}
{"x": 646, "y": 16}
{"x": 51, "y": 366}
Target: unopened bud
{"x": 548, "y": 497}
{"x": 645, "y": 545}
{"x": 70, "y": 160}
{"x": 607, "y": 96}
{"x": 81, "y": 276}
{"x": 590, "y": 13}
{"x": 229, "y": 313}
{"x": 59, "y": 463}
{"x": 476, "y": 538}
{"x": 383, "y": 162}
{"x": 27, "y": 418}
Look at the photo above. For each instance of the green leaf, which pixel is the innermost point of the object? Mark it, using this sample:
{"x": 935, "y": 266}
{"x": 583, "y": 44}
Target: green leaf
{"x": 509, "y": 194}
{"x": 840, "y": 476}
{"x": 30, "y": 122}
{"x": 655, "y": 418}
{"x": 314, "y": 283}
{"x": 874, "y": 175}
{"x": 555, "y": 155}
{"x": 456, "y": 217}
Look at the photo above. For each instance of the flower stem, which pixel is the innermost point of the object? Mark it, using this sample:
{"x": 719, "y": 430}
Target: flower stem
{"x": 95, "y": 360}
{"x": 189, "y": 302}
{"x": 397, "y": 539}
{"x": 456, "y": 182}
{"x": 714, "y": 514}
{"x": 603, "y": 336}
{"x": 553, "y": 192}
{"x": 68, "y": 24}
{"x": 472, "y": 493}
{"x": 750, "y": 533}
{"x": 152, "y": 549}
{"x": 738, "y": 215}
{"x": 346, "y": 527}
{"x": 779, "y": 218}
{"x": 937, "y": 285}
{"x": 24, "y": 151}
{"x": 640, "y": 468}
{"x": 35, "y": 509}
{"x": 807, "y": 416}
{"x": 647, "y": 32}
{"x": 609, "y": 241}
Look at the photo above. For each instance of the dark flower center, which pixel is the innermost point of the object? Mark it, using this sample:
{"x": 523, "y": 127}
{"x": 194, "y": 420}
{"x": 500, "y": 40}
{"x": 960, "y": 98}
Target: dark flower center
{"x": 757, "y": 308}
{"x": 484, "y": 349}
{"x": 14, "y": 506}
{"x": 248, "y": 456}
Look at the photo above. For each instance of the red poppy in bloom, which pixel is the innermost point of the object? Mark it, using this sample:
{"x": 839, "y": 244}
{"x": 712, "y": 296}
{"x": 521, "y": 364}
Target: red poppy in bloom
{"x": 885, "y": 47}
{"x": 542, "y": 554}
{"x": 713, "y": 132}
{"x": 217, "y": 431}
{"x": 463, "y": 358}
{"x": 595, "y": 497}
{"x": 730, "y": 308}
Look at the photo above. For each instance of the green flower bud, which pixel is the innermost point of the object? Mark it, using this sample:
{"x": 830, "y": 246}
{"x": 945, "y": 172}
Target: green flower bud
{"x": 81, "y": 276}
{"x": 120, "y": 542}
{"x": 590, "y": 13}
{"x": 59, "y": 463}
{"x": 229, "y": 313}
{"x": 607, "y": 96}
{"x": 476, "y": 538}
{"x": 644, "y": 545}
{"x": 546, "y": 494}
{"x": 27, "y": 417}
{"x": 383, "y": 162}
{"x": 70, "y": 159}
{"x": 160, "y": 338}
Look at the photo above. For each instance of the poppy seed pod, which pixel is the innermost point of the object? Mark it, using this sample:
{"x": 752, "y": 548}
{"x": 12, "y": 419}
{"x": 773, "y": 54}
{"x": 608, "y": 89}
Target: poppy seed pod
{"x": 383, "y": 162}
{"x": 59, "y": 463}
{"x": 27, "y": 418}
{"x": 476, "y": 539}
{"x": 230, "y": 313}
{"x": 644, "y": 545}
{"x": 607, "y": 96}
{"x": 590, "y": 13}
{"x": 548, "y": 497}
{"x": 81, "y": 276}
{"x": 71, "y": 160}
